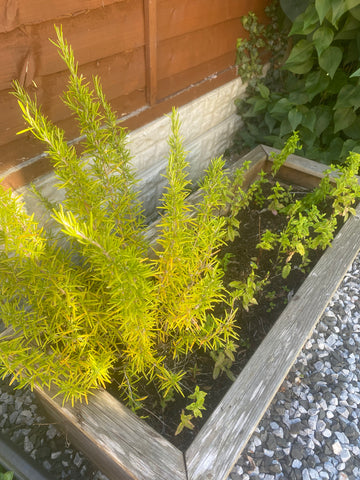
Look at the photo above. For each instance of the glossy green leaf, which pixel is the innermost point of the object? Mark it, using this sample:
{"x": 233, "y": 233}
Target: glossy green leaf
{"x": 281, "y": 108}
{"x": 351, "y": 4}
{"x": 294, "y": 118}
{"x": 307, "y": 136}
{"x": 322, "y": 38}
{"x": 306, "y": 22}
{"x": 335, "y": 147}
{"x": 274, "y": 140}
{"x": 355, "y": 12}
{"x": 329, "y": 156}
{"x": 352, "y": 52}
{"x": 349, "y": 96}
{"x": 300, "y": 248}
{"x": 293, "y": 8}
{"x": 343, "y": 118}
{"x": 301, "y": 59}
{"x": 353, "y": 131}
{"x": 299, "y": 98}
{"x": 324, "y": 115}
{"x": 310, "y": 19}
{"x": 350, "y": 27}
{"x": 349, "y": 146}
{"x": 316, "y": 82}
{"x": 356, "y": 73}
{"x": 313, "y": 153}
{"x": 286, "y": 270}
{"x": 253, "y": 130}
{"x": 298, "y": 27}
{"x": 263, "y": 90}
{"x": 322, "y": 7}
{"x": 259, "y": 105}
{"x": 285, "y": 127}
{"x": 7, "y": 476}
{"x": 330, "y": 60}
{"x": 309, "y": 120}
{"x": 340, "y": 79}
{"x": 270, "y": 121}
{"x": 338, "y": 10}
{"x": 294, "y": 82}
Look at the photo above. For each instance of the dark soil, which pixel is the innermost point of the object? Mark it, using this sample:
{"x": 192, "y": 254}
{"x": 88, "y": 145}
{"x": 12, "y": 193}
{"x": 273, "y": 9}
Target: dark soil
{"x": 253, "y": 324}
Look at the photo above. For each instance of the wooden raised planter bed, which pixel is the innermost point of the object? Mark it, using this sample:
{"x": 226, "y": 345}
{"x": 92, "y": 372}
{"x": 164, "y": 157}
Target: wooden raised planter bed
{"x": 125, "y": 447}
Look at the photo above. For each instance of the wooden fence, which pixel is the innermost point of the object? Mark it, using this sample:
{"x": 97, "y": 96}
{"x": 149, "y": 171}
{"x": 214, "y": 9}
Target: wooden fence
{"x": 150, "y": 55}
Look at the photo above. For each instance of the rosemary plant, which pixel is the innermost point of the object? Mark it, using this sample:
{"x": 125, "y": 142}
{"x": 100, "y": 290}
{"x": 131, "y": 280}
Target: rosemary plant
{"x": 77, "y": 311}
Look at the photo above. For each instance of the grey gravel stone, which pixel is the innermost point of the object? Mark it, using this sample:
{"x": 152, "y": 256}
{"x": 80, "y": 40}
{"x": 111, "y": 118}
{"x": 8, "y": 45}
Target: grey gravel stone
{"x": 25, "y": 424}
{"x": 296, "y": 463}
{"x": 297, "y": 452}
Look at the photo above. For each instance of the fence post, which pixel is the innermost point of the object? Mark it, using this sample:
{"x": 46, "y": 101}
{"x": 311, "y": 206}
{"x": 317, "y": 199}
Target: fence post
{"x": 150, "y": 15}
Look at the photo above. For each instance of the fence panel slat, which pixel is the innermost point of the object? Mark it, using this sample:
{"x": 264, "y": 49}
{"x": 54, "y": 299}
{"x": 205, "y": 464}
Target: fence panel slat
{"x": 24, "y": 12}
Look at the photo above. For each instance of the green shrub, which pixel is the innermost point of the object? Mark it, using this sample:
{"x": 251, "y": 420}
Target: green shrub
{"x": 101, "y": 300}
{"x": 263, "y": 42}
{"x": 316, "y": 90}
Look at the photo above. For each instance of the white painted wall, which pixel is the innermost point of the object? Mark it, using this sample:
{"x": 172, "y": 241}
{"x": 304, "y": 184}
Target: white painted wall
{"x": 207, "y": 127}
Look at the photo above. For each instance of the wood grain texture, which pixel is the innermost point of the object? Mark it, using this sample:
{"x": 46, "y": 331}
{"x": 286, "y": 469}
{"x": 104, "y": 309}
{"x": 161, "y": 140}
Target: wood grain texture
{"x": 16, "y": 13}
{"x": 198, "y": 74}
{"x": 14, "y": 48}
{"x": 95, "y": 35}
{"x": 120, "y": 444}
{"x": 178, "y": 54}
{"x": 178, "y": 17}
{"x": 121, "y": 75}
{"x": 298, "y": 170}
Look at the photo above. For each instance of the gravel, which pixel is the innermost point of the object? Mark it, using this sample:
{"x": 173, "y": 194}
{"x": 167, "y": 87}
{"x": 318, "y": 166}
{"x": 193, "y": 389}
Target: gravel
{"x": 24, "y": 423}
{"x": 310, "y": 431}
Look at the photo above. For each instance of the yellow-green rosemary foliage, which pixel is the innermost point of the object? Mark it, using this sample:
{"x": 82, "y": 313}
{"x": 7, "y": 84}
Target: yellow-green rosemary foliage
{"x": 98, "y": 301}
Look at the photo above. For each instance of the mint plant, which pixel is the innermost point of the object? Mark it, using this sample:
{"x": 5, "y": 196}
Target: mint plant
{"x": 308, "y": 228}
{"x": 195, "y": 408}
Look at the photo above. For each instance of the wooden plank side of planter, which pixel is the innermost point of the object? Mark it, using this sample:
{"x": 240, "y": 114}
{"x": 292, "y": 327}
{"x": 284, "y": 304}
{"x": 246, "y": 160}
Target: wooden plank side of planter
{"x": 298, "y": 170}
{"x": 121, "y": 445}
{"x": 257, "y": 158}
{"x": 216, "y": 448}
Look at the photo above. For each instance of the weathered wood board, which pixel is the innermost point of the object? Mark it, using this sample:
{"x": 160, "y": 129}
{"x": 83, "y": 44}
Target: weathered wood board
{"x": 113, "y": 437}
{"x": 124, "y": 447}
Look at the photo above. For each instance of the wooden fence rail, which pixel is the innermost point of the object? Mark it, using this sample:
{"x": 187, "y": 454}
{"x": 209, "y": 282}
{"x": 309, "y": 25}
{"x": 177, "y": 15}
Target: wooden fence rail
{"x": 150, "y": 55}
